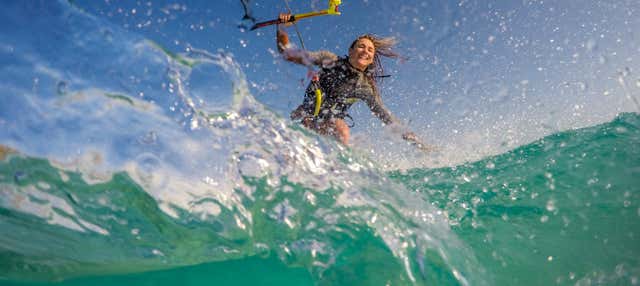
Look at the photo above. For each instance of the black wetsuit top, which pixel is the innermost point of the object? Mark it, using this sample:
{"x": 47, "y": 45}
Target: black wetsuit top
{"x": 342, "y": 86}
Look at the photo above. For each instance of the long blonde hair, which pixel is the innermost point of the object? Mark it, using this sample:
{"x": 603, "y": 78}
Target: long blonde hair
{"x": 384, "y": 47}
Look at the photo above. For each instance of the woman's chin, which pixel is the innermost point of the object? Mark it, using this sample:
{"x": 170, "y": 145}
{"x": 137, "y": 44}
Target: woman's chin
{"x": 361, "y": 65}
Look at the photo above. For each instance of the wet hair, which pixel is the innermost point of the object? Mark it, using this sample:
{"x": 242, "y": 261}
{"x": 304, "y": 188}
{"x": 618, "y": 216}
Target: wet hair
{"x": 383, "y": 46}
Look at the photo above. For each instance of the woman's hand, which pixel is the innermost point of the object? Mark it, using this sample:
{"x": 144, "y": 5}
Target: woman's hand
{"x": 413, "y": 139}
{"x": 410, "y": 136}
{"x": 285, "y": 18}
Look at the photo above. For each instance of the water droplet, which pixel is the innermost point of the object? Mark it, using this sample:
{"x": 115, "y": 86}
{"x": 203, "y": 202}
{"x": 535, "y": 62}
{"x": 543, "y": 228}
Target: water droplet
{"x": 591, "y": 45}
{"x": 194, "y": 124}
{"x": 621, "y": 129}
{"x": 582, "y": 86}
{"x": 149, "y": 170}
{"x": 550, "y": 258}
{"x": 625, "y": 72}
{"x": 43, "y": 186}
{"x": 551, "y": 205}
{"x": 61, "y": 87}
{"x": 149, "y": 138}
{"x": 19, "y": 176}
{"x": 374, "y": 218}
{"x": 602, "y": 60}
{"x": 490, "y": 165}
{"x": 544, "y": 219}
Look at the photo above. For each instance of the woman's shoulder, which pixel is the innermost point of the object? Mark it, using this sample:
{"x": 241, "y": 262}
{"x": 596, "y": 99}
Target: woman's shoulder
{"x": 324, "y": 59}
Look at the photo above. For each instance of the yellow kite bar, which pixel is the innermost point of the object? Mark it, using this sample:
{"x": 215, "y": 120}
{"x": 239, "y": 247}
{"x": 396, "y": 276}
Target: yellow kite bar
{"x": 332, "y": 10}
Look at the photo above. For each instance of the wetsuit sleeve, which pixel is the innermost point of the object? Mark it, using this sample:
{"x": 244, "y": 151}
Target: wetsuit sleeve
{"x": 282, "y": 39}
{"x": 323, "y": 58}
{"x": 379, "y": 110}
{"x": 302, "y": 57}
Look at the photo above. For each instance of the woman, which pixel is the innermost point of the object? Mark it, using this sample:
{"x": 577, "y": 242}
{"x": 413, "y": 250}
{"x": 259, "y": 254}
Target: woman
{"x": 343, "y": 82}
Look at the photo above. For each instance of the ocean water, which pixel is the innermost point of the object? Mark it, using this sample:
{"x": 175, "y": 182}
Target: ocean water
{"x": 128, "y": 161}
{"x": 559, "y": 210}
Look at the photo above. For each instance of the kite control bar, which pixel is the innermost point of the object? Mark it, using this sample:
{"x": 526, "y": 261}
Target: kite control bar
{"x": 332, "y": 10}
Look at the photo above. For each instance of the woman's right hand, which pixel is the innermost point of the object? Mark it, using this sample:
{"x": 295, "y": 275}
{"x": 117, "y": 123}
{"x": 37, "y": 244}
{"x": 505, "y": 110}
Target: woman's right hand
{"x": 285, "y": 18}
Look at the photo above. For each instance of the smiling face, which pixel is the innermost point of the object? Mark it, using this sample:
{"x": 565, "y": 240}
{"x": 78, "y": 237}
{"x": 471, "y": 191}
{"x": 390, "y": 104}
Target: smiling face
{"x": 361, "y": 53}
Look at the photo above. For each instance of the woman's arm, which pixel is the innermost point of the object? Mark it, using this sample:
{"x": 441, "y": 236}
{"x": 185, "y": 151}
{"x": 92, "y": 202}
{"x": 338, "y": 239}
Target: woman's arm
{"x": 299, "y": 56}
{"x": 380, "y": 111}
{"x": 377, "y": 108}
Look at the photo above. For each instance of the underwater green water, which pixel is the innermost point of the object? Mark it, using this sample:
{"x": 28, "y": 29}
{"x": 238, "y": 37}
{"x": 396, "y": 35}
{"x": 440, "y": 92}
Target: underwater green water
{"x": 250, "y": 271}
{"x": 562, "y": 210}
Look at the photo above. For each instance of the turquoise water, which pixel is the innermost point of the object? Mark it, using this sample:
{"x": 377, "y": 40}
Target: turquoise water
{"x": 127, "y": 158}
{"x": 250, "y": 271}
{"x": 563, "y": 209}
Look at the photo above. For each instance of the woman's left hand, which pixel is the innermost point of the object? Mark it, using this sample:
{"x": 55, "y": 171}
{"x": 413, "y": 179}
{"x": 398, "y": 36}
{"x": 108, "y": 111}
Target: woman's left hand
{"x": 413, "y": 139}
{"x": 410, "y": 136}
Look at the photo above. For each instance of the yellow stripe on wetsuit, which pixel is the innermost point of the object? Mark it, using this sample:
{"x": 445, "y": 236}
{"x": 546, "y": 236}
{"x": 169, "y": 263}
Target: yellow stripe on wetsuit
{"x": 318, "y": 102}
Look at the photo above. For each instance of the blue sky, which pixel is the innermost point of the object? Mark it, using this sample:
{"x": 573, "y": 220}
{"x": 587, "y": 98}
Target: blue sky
{"x": 494, "y": 73}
